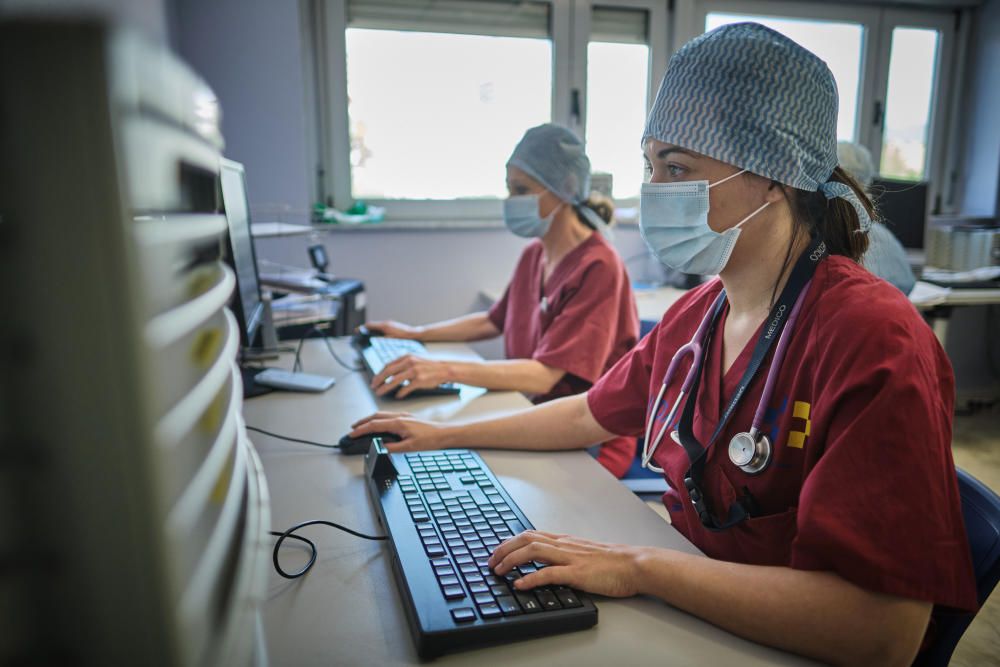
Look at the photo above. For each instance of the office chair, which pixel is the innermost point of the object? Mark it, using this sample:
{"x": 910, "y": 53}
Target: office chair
{"x": 981, "y": 509}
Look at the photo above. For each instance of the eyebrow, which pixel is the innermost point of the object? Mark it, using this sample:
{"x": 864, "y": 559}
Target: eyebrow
{"x": 662, "y": 154}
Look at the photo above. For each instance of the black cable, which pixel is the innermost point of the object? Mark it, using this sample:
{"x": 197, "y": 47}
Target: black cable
{"x": 297, "y": 366}
{"x": 333, "y": 353}
{"x": 298, "y": 440}
{"x": 282, "y": 536}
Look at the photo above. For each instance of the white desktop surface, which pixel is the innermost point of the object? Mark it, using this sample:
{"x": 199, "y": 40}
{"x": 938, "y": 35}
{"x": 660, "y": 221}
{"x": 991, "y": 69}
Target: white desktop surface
{"x": 346, "y": 611}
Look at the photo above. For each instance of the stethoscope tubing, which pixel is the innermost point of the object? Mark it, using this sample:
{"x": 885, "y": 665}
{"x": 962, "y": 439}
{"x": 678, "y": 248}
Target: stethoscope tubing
{"x": 695, "y": 348}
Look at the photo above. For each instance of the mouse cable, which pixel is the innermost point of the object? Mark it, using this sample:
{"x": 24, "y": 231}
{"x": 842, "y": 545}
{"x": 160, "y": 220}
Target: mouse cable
{"x": 333, "y": 353}
{"x": 282, "y": 536}
{"x": 297, "y": 365}
{"x": 298, "y": 440}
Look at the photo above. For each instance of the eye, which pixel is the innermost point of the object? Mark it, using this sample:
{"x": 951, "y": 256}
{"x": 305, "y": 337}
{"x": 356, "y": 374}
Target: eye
{"x": 676, "y": 170}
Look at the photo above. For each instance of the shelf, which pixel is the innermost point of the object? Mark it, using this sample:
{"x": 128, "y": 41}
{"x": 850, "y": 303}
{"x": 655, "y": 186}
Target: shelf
{"x": 207, "y": 291}
{"x": 181, "y": 418}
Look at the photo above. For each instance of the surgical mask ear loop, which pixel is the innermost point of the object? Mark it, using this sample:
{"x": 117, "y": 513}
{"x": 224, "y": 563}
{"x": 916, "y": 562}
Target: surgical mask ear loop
{"x": 730, "y": 177}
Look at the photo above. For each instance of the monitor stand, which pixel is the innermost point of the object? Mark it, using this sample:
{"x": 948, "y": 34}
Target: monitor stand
{"x": 250, "y": 387}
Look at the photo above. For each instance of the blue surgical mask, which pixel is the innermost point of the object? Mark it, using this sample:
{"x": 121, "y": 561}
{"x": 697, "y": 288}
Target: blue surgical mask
{"x": 673, "y": 220}
{"x": 520, "y": 214}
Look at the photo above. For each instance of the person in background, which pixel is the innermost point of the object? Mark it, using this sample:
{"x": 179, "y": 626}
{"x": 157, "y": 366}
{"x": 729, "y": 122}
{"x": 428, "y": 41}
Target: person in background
{"x": 798, "y": 406}
{"x": 568, "y": 313}
{"x": 885, "y": 257}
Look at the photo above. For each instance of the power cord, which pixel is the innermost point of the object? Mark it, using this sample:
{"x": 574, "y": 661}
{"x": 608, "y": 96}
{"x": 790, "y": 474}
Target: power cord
{"x": 297, "y": 366}
{"x": 282, "y": 536}
{"x": 298, "y": 440}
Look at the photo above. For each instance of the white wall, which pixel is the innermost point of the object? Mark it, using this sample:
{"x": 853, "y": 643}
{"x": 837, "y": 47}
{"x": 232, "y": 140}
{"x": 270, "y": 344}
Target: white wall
{"x": 425, "y": 275}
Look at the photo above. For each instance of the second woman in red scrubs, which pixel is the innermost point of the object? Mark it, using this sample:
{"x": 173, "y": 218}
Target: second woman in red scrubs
{"x": 568, "y": 313}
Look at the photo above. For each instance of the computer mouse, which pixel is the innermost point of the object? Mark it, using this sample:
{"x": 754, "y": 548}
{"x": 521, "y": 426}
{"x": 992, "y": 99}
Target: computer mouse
{"x": 361, "y": 444}
{"x": 361, "y": 336}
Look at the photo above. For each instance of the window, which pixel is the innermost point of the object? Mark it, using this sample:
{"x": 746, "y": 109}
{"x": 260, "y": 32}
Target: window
{"x": 417, "y": 104}
{"x": 905, "y": 130}
{"x": 894, "y": 69}
{"x": 617, "y": 91}
{"x": 839, "y": 44}
{"x": 435, "y": 116}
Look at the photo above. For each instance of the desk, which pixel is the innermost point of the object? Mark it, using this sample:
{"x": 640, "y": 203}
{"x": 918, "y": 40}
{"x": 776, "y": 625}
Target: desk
{"x": 936, "y": 302}
{"x": 346, "y": 611}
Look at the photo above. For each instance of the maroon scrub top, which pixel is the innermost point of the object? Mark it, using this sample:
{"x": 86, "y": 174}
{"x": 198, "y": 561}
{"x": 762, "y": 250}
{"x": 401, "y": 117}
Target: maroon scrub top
{"x": 581, "y": 321}
{"x": 862, "y": 482}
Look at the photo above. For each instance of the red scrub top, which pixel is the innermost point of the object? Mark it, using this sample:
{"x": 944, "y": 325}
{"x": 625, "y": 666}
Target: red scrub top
{"x": 587, "y": 321}
{"x": 862, "y": 481}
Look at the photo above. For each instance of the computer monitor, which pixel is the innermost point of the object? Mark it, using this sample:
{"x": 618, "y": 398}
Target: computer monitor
{"x": 903, "y": 208}
{"x": 247, "y": 303}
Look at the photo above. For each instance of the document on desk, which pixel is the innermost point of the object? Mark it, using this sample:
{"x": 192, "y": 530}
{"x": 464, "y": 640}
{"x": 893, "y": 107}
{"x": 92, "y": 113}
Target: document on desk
{"x": 925, "y": 295}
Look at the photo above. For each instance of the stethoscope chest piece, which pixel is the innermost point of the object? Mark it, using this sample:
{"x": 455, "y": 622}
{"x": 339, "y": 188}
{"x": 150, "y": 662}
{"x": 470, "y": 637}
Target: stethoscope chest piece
{"x": 750, "y": 454}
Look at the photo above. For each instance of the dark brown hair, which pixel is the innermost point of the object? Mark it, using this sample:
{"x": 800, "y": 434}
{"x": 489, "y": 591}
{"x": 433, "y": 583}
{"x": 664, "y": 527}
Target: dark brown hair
{"x": 833, "y": 220}
{"x": 601, "y": 205}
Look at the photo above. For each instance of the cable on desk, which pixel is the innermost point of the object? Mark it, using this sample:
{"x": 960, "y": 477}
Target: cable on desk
{"x": 333, "y": 353}
{"x": 298, "y": 440}
{"x": 297, "y": 366}
{"x": 282, "y": 536}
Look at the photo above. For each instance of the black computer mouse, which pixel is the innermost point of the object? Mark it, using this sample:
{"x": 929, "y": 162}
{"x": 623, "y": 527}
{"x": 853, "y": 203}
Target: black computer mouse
{"x": 360, "y": 445}
{"x": 361, "y": 336}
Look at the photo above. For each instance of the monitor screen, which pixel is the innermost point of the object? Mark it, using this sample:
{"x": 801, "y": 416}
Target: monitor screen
{"x": 247, "y": 305}
{"x": 903, "y": 208}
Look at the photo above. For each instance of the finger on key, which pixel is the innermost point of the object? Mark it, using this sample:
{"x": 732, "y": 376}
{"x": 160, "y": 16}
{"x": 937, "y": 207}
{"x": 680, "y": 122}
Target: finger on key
{"x": 394, "y": 381}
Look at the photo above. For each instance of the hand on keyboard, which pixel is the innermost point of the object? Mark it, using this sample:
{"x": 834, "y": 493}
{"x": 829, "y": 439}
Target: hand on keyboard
{"x": 595, "y": 567}
{"x": 415, "y": 435}
{"x": 392, "y": 329}
{"x": 412, "y": 373}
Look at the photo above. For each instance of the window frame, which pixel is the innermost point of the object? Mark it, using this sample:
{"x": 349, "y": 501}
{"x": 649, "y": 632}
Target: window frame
{"x": 878, "y": 19}
{"x": 671, "y": 23}
{"x": 324, "y": 25}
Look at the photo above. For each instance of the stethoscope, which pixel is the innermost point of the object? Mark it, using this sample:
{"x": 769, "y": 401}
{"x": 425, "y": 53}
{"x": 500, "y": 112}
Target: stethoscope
{"x": 750, "y": 450}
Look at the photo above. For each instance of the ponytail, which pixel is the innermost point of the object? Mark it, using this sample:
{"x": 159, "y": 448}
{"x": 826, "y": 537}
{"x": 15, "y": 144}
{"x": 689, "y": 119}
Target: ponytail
{"x": 833, "y": 220}
{"x": 603, "y": 206}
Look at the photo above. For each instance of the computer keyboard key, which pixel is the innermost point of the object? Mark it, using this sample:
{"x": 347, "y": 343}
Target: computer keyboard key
{"x": 436, "y": 550}
{"x": 499, "y": 590}
{"x": 478, "y": 588}
{"x": 515, "y": 527}
{"x": 482, "y": 598}
{"x": 508, "y": 605}
{"x": 528, "y": 602}
{"x": 443, "y": 570}
{"x": 453, "y": 592}
{"x": 463, "y": 615}
{"x": 490, "y": 611}
{"x": 548, "y": 600}
{"x": 567, "y": 597}
{"x": 448, "y": 580}
{"x": 465, "y": 560}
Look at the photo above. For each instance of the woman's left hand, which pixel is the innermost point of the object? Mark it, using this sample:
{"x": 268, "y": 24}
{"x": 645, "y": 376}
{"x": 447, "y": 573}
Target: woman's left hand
{"x": 417, "y": 371}
{"x": 595, "y": 567}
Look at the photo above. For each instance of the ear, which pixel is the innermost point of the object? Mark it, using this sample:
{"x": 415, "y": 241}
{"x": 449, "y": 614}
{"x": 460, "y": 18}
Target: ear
{"x": 775, "y": 193}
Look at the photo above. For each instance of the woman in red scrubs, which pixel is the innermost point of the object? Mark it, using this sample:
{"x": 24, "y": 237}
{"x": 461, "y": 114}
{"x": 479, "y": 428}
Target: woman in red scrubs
{"x": 568, "y": 313}
{"x": 809, "y": 457}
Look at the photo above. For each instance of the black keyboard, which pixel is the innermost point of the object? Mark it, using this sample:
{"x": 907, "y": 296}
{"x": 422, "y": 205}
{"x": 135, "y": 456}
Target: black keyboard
{"x": 377, "y": 351}
{"x": 444, "y": 513}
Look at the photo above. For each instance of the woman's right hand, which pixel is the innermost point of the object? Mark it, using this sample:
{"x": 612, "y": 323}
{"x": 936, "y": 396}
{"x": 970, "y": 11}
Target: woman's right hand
{"x": 415, "y": 435}
{"x": 393, "y": 329}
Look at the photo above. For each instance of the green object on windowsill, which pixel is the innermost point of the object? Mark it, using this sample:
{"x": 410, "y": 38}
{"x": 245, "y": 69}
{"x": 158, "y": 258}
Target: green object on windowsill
{"x": 358, "y": 213}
